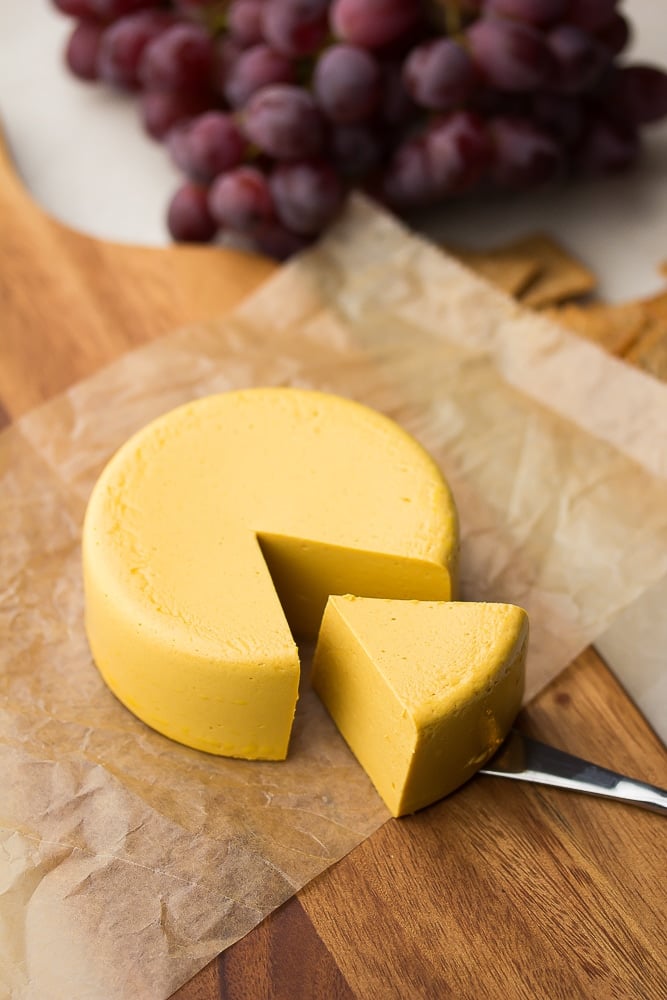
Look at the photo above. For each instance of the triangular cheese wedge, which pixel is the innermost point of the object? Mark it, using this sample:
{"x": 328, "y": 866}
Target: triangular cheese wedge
{"x": 423, "y": 692}
{"x": 216, "y": 512}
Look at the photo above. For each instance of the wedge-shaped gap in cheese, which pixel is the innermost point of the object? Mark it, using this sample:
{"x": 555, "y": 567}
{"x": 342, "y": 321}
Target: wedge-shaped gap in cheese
{"x": 423, "y": 692}
{"x": 306, "y": 572}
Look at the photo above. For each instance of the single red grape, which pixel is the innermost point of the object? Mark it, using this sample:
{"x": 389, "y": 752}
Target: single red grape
{"x": 459, "y": 152}
{"x": 295, "y": 27}
{"x": 439, "y": 74}
{"x": 525, "y": 155}
{"x": 283, "y": 121}
{"x": 82, "y": 49}
{"x": 207, "y": 145}
{"x": 188, "y": 217}
{"x": 123, "y": 44}
{"x": 180, "y": 59}
{"x": 408, "y": 182}
{"x": 580, "y": 58}
{"x": 307, "y": 195}
{"x": 254, "y": 68}
{"x": 244, "y": 22}
{"x": 347, "y": 83}
{"x": 616, "y": 34}
{"x": 510, "y": 55}
{"x": 373, "y": 24}
{"x": 241, "y": 200}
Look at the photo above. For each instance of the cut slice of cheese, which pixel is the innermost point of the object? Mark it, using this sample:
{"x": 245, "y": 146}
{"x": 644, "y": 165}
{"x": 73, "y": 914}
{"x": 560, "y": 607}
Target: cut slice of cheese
{"x": 216, "y": 512}
{"x": 423, "y": 692}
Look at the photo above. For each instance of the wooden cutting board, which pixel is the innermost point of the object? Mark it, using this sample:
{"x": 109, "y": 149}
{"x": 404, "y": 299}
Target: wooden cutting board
{"x": 501, "y": 891}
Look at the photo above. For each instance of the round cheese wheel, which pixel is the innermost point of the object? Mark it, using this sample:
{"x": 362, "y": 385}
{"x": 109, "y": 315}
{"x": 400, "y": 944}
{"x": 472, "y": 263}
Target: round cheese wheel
{"x": 218, "y": 532}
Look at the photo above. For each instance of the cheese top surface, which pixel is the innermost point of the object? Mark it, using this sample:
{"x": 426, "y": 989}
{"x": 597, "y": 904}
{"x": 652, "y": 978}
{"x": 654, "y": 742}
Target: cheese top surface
{"x": 228, "y": 518}
{"x": 423, "y": 692}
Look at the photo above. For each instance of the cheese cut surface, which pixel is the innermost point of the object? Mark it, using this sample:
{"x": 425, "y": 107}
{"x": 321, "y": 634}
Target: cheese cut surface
{"x": 423, "y": 692}
{"x": 214, "y": 514}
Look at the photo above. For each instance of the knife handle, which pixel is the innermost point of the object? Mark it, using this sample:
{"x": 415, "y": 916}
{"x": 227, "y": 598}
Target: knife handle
{"x": 525, "y": 759}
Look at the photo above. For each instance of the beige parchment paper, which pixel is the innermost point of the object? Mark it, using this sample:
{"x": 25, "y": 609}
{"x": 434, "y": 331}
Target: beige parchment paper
{"x": 127, "y": 861}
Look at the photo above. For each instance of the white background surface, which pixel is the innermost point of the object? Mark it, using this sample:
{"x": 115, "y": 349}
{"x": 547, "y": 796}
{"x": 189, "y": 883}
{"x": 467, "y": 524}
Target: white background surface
{"x": 84, "y": 156}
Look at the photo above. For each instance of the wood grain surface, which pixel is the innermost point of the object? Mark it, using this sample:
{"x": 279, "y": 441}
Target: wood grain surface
{"x": 503, "y": 890}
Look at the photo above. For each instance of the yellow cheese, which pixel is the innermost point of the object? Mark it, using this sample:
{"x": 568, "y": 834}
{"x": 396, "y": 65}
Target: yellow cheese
{"x": 423, "y": 692}
{"x": 214, "y": 514}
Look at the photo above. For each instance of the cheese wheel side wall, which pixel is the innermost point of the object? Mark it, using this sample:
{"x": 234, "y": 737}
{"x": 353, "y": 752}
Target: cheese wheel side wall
{"x": 243, "y": 709}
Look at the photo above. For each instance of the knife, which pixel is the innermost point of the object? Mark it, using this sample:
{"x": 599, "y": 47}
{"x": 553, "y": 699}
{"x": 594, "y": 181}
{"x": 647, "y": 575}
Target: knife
{"x": 525, "y": 759}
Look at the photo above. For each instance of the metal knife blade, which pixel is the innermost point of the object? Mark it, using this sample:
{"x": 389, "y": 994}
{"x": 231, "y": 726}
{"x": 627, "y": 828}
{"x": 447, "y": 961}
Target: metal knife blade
{"x": 526, "y": 759}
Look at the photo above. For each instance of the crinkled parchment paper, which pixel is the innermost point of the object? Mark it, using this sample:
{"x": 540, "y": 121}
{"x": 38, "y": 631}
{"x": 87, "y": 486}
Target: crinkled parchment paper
{"x": 128, "y": 861}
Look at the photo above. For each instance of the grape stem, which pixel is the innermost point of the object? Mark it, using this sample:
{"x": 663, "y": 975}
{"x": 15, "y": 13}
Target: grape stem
{"x": 445, "y": 14}
{"x": 453, "y": 22}
{"x": 215, "y": 17}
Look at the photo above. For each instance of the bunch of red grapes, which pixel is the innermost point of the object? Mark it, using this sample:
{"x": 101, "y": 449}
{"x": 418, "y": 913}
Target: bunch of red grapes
{"x": 275, "y": 109}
